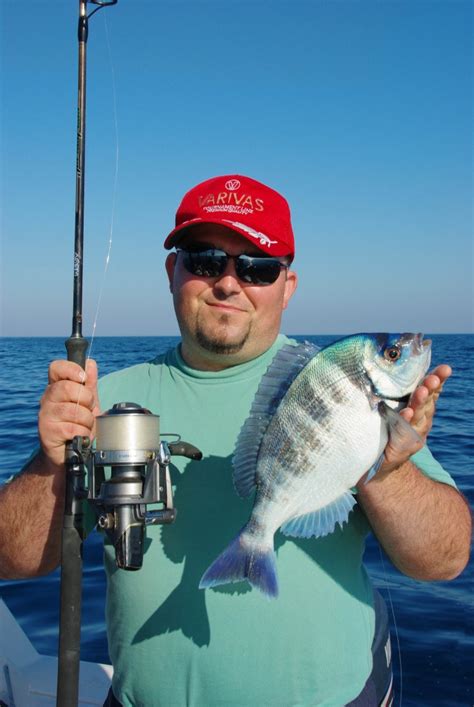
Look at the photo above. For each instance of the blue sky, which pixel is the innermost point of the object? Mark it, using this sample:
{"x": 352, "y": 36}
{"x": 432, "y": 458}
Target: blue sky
{"x": 359, "y": 112}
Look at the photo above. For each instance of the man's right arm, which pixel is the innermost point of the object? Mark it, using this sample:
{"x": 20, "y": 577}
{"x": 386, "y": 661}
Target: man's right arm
{"x": 32, "y": 504}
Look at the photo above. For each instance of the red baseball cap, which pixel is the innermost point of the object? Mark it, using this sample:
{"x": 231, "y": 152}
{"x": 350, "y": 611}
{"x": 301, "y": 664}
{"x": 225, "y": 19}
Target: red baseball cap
{"x": 242, "y": 204}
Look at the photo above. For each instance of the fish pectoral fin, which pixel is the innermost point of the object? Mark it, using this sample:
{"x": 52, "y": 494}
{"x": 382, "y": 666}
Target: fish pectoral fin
{"x": 321, "y": 522}
{"x": 401, "y": 433}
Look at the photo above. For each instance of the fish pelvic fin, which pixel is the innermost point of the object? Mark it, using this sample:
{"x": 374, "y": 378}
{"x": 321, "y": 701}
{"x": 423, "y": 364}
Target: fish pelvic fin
{"x": 241, "y": 561}
{"x": 287, "y": 363}
{"x": 322, "y": 522}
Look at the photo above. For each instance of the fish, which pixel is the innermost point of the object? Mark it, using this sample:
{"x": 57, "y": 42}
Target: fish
{"x": 320, "y": 420}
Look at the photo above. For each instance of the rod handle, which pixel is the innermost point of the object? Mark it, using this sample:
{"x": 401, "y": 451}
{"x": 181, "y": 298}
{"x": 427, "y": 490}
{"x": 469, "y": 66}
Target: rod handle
{"x": 76, "y": 347}
{"x": 70, "y": 633}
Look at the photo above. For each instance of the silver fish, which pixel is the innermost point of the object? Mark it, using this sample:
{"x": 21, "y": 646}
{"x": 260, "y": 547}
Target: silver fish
{"x": 319, "y": 421}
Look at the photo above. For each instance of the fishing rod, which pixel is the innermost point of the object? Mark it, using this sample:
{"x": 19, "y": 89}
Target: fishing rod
{"x": 126, "y": 471}
{"x": 76, "y": 346}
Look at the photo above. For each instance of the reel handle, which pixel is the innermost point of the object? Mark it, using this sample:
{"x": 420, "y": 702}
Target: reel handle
{"x": 184, "y": 449}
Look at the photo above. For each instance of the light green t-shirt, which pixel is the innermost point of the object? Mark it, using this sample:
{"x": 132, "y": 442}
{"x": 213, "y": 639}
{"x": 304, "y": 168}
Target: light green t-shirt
{"x": 175, "y": 645}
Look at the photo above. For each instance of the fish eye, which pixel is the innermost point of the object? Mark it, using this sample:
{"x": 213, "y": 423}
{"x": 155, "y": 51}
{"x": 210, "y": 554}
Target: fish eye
{"x": 392, "y": 353}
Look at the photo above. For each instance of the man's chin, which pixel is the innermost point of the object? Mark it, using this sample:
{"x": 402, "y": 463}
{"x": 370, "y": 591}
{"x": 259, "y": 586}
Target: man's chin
{"x": 221, "y": 344}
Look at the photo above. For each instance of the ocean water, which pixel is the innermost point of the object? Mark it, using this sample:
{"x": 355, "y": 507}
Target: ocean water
{"x": 432, "y": 623}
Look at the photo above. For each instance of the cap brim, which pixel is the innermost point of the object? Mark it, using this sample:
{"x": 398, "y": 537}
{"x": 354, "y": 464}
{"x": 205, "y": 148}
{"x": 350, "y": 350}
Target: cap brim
{"x": 275, "y": 249}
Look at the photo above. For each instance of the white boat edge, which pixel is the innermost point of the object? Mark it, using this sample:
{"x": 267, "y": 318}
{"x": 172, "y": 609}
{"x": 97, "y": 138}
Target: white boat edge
{"x": 28, "y": 679}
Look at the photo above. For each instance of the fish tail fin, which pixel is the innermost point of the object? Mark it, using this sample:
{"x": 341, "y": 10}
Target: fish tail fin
{"x": 242, "y": 560}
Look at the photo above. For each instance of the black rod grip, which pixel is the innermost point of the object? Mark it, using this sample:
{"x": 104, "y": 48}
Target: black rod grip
{"x": 76, "y": 347}
{"x": 70, "y": 634}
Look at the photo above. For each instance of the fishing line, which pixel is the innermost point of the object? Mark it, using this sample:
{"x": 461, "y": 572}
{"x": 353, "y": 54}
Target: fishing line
{"x": 392, "y": 611}
{"x": 115, "y": 183}
{"x": 114, "y": 190}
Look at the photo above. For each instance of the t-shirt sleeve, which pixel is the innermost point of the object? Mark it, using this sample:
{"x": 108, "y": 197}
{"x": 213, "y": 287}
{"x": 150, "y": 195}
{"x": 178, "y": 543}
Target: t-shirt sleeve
{"x": 430, "y": 467}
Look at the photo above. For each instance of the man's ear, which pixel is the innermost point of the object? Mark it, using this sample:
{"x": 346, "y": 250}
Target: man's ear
{"x": 170, "y": 265}
{"x": 291, "y": 284}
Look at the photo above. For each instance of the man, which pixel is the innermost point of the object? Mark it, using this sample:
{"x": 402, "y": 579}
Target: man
{"x": 171, "y": 643}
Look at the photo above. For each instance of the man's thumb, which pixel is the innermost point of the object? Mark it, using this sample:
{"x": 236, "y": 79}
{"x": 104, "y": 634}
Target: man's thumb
{"x": 91, "y": 382}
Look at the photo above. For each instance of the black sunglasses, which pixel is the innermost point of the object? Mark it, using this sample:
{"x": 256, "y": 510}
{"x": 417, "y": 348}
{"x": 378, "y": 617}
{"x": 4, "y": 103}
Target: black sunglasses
{"x": 249, "y": 268}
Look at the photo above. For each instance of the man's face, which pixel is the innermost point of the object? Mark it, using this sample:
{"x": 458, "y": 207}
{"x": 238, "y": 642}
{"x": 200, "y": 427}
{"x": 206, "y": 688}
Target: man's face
{"x": 225, "y": 321}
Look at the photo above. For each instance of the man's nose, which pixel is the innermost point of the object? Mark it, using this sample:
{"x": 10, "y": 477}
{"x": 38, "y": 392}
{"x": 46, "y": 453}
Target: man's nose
{"x": 228, "y": 282}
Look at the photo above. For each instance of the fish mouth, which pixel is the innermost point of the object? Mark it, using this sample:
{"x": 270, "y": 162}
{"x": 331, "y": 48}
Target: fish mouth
{"x": 420, "y": 345}
{"x": 416, "y": 342}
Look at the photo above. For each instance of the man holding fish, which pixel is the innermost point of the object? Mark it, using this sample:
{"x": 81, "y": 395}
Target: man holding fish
{"x": 321, "y": 439}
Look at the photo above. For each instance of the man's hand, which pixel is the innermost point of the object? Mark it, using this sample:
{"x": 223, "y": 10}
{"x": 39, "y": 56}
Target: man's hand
{"x": 421, "y": 408}
{"x": 31, "y": 547}
{"x": 423, "y": 525}
{"x": 69, "y": 407}
{"x": 419, "y": 414}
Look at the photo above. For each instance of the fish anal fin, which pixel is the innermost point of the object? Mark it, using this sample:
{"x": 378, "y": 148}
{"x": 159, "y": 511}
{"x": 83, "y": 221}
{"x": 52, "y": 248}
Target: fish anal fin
{"x": 322, "y": 522}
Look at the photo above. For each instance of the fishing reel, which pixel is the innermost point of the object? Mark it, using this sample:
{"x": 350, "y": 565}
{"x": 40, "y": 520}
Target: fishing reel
{"x": 127, "y": 471}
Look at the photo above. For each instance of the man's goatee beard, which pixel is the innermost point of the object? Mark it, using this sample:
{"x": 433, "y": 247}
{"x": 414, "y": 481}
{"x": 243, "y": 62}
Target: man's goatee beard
{"x": 216, "y": 345}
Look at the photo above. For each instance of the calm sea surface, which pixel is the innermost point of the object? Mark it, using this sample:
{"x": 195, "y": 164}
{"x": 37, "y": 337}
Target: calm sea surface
{"x": 433, "y": 624}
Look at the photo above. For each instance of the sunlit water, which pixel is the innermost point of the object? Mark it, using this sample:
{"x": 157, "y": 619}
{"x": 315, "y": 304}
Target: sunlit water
{"x": 434, "y": 621}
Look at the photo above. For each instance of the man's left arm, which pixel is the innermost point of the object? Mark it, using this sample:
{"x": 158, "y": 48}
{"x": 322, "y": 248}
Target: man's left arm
{"x": 423, "y": 525}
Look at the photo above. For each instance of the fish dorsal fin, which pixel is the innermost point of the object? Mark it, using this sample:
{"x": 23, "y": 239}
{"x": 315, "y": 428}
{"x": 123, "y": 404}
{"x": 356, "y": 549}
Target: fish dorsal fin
{"x": 282, "y": 371}
{"x": 317, "y": 524}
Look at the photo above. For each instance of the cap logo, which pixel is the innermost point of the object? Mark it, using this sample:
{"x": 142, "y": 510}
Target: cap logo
{"x": 232, "y": 184}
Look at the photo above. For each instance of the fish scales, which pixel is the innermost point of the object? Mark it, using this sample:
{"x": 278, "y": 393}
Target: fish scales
{"x": 304, "y": 417}
{"x": 317, "y": 424}
{"x": 307, "y": 436}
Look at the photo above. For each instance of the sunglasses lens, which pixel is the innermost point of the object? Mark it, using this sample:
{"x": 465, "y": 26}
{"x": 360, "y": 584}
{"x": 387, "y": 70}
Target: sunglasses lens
{"x": 207, "y": 263}
{"x": 258, "y": 271}
{"x": 212, "y": 263}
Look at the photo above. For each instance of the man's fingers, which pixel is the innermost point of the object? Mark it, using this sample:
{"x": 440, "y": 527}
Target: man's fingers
{"x": 419, "y": 396}
{"x": 443, "y": 372}
{"x": 407, "y": 414}
{"x": 421, "y": 408}
{"x": 424, "y": 397}
{"x": 67, "y": 391}
{"x": 435, "y": 380}
{"x": 68, "y": 370}
{"x": 69, "y": 382}
{"x": 60, "y": 422}
{"x": 65, "y": 370}
{"x": 423, "y": 404}
{"x": 67, "y": 413}
{"x": 57, "y": 434}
